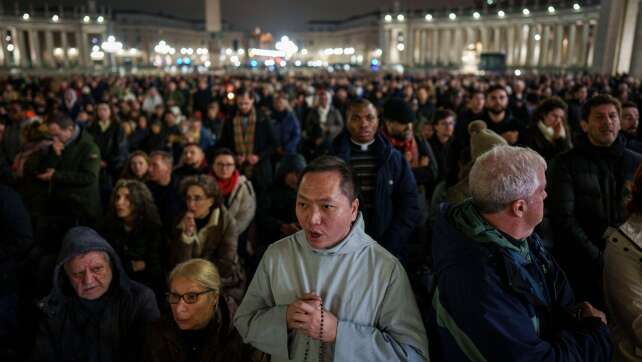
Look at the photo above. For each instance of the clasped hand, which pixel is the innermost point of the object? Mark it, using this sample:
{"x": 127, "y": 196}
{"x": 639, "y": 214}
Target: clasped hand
{"x": 304, "y": 314}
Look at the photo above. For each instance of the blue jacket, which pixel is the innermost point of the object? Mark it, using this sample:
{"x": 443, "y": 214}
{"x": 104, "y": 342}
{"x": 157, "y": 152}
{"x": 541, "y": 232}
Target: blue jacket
{"x": 287, "y": 130}
{"x": 397, "y": 209}
{"x": 501, "y": 300}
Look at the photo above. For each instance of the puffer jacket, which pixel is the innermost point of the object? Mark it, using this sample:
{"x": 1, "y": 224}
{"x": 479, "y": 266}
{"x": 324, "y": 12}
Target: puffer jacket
{"x": 586, "y": 194}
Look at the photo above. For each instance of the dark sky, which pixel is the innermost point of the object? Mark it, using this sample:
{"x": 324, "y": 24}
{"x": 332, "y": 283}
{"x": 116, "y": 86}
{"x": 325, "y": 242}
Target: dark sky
{"x": 273, "y": 15}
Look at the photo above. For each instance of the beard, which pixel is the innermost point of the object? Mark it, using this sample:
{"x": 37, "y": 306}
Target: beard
{"x": 497, "y": 110}
{"x": 401, "y": 136}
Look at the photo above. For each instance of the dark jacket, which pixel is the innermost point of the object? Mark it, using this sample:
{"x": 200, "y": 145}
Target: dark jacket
{"x": 509, "y": 123}
{"x": 537, "y": 142}
{"x": 586, "y": 195}
{"x": 145, "y": 243}
{"x": 112, "y": 144}
{"x": 287, "y": 130}
{"x": 397, "y": 210}
{"x": 17, "y": 238}
{"x": 168, "y": 201}
{"x": 220, "y": 340}
{"x": 264, "y": 146}
{"x": 69, "y": 331}
{"x": 74, "y": 187}
{"x": 500, "y": 299}
{"x": 333, "y": 125}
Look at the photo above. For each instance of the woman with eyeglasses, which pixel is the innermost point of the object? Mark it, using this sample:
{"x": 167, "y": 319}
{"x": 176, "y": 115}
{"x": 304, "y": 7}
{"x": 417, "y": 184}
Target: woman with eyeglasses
{"x": 200, "y": 327}
{"x": 236, "y": 191}
{"x": 208, "y": 231}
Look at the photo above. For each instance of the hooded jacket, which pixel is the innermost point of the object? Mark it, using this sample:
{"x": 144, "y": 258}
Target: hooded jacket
{"x": 500, "y": 299}
{"x": 396, "y": 206}
{"x": 361, "y": 283}
{"x": 72, "y": 331}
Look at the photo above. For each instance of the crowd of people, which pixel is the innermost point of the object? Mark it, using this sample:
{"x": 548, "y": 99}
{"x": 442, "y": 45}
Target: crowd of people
{"x": 332, "y": 216}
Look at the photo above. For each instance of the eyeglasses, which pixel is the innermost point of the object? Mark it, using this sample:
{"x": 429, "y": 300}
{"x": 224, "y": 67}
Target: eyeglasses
{"x": 196, "y": 199}
{"x": 224, "y": 165}
{"x": 189, "y": 298}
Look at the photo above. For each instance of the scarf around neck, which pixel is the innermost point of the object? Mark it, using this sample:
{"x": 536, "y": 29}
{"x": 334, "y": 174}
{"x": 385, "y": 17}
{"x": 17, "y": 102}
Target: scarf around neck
{"x": 244, "y": 139}
{"x": 227, "y": 186}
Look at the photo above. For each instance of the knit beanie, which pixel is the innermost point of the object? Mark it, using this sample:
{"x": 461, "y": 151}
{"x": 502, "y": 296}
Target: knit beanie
{"x": 398, "y": 110}
{"x": 484, "y": 141}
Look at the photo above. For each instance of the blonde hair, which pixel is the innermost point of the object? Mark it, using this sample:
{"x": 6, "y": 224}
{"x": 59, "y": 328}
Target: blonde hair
{"x": 202, "y": 271}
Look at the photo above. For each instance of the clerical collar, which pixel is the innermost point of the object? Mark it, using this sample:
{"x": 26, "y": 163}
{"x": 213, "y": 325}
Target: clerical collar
{"x": 362, "y": 146}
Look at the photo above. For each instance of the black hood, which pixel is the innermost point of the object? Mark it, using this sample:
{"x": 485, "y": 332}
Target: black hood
{"x": 81, "y": 240}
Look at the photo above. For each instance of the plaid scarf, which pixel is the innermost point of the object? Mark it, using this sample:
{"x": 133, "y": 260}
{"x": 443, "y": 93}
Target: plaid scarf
{"x": 244, "y": 143}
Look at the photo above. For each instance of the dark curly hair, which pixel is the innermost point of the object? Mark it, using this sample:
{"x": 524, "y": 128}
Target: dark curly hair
{"x": 546, "y": 106}
{"x": 142, "y": 203}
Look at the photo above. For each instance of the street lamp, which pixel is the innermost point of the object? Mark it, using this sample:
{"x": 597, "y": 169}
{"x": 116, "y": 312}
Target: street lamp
{"x": 112, "y": 46}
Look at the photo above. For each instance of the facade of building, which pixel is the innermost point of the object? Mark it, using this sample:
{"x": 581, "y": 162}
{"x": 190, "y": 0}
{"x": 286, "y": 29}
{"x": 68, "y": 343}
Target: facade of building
{"x": 604, "y": 36}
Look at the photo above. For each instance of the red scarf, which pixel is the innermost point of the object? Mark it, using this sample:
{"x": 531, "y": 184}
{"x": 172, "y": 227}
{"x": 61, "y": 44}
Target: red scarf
{"x": 407, "y": 146}
{"x": 227, "y": 186}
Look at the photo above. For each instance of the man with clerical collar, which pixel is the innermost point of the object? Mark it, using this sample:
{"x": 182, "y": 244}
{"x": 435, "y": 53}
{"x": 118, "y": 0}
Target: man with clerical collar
{"x": 329, "y": 290}
{"x": 387, "y": 187}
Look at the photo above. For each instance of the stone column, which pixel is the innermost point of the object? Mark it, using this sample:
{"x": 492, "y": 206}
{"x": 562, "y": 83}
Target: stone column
{"x": 510, "y": 46}
{"x": 35, "y": 48}
{"x": 543, "y": 52}
{"x": 584, "y": 45}
{"x": 3, "y": 50}
{"x": 571, "y": 48}
{"x": 48, "y": 53}
{"x": 83, "y": 50}
{"x": 530, "y": 53}
{"x": 484, "y": 38}
{"x": 65, "y": 47}
{"x": 434, "y": 50}
{"x": 636, "y": 56}
{"x": 557, "y": 51}
{"x": 458, "y": 46}
{"x": 608, "y": 38}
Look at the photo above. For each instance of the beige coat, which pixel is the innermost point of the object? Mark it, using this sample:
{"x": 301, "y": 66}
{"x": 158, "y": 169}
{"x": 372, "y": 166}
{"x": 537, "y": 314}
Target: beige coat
{"x": 217, "y": 242}
{"x": 623, "y": 289}
{"x": 241, "y": 204}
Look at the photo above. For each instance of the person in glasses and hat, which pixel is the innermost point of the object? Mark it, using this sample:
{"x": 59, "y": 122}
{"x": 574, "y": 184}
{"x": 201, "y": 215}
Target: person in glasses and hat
{"x": 200, "y": 326}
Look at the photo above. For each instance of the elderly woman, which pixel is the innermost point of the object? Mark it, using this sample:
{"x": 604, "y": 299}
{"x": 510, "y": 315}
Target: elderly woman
{"x": 623, "y": 280}
{"x": 136, "y": 167}
{"x": 208, "y": 231}
{"x": 548, "y": 132}
{"x": 201, "y": 325}
{"x": 236, "y": 190}
{"x": 133, "y": 228}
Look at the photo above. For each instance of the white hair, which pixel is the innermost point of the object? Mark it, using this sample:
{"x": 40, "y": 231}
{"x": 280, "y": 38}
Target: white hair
{"x": 502, "y": 175}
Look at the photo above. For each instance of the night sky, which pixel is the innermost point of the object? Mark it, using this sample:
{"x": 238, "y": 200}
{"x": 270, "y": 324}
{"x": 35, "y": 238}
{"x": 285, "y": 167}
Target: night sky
{"x": 273, "y": 15}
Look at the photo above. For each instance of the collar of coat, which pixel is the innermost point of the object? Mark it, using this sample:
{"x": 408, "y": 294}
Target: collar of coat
{"x": 356, "y": 240}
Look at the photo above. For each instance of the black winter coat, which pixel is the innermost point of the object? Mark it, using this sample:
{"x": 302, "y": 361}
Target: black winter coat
{"x": 586, "y": 195}
{"x": 70, "y": 331}
{"x": 220, "y": 341}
